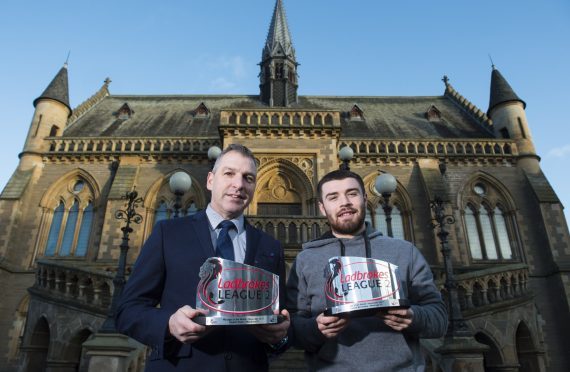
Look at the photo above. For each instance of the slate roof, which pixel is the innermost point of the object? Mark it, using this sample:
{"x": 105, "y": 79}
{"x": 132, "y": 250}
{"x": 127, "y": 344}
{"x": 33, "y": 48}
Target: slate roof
{"x": 501, "y": 91}
{"x": 58, "y": 89}
{"x": 173, "y": 116}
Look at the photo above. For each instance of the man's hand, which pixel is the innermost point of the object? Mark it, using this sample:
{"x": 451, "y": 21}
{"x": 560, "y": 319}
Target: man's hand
{"x": 272, "y": 333}
{"x": 331, "y": 326}
{"x": 183, "y": 328}
{"x": 397, "y": 319}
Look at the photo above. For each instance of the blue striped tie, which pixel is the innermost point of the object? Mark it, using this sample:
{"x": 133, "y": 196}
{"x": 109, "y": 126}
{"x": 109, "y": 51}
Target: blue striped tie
{"x": 224, "y": 245}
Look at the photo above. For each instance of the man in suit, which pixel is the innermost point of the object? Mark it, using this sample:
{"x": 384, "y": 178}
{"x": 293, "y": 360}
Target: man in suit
{"x": 158, "y": 304}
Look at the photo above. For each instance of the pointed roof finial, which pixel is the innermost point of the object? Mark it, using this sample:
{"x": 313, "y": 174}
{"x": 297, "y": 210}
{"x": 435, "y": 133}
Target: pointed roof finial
{"x": 492, "y": 64}
{"x": 107, "y": 81}
{"x": 67, "y": 59}
{"x": 445, "y": 80}
{"x": 501, "y": 91}
{"x": 278, "y": 34}
{"x": 58, "y": 89}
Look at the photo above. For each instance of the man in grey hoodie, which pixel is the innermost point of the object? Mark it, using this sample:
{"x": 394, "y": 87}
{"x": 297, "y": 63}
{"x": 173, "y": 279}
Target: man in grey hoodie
{"x": 386, "y": 341}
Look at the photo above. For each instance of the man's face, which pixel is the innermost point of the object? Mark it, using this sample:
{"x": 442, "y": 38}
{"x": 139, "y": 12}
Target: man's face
{"x": 232, "y": 185}
{"x": 344, "y": 206}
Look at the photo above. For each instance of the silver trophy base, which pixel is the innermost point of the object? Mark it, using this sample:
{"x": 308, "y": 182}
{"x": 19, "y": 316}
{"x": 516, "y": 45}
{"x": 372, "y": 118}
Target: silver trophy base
{"x": 238, "y": 320}
{"x": 359, "y": 309}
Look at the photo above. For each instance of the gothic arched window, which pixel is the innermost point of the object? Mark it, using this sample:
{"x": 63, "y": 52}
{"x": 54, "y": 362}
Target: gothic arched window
{"x": 489, "y": 227}
{"x": 165, "y": 202}
{"x": 71, "y": 221}
{"x": 377, "y": 218}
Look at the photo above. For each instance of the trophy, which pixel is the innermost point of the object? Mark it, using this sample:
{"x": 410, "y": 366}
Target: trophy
{"x": 233, "y": 293}
{"x": 362, "y": 286}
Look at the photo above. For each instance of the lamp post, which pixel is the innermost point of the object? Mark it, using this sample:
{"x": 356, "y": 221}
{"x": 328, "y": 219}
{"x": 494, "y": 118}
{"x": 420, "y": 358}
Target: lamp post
{"x": 457, "y": 326}
{"x": 345, "y": 154}
{"x": 386, "y": 185}
{"x": 130, "y": 215}
{"x": 213, "y": 154}
{"x": 180, "y": 183}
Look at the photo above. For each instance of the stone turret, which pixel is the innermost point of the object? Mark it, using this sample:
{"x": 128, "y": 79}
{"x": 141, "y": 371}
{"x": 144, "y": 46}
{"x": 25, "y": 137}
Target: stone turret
{"x": 278, "y": 76}
{"x": 50, "y": 118}
{"x": 507, "y": 111}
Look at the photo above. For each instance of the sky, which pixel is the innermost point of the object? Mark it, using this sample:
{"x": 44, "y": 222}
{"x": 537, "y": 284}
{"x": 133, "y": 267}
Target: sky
{"x": 357, "y": 47}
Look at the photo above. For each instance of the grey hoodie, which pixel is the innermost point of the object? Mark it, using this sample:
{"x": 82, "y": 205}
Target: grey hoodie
{"x": 367, "y": 344}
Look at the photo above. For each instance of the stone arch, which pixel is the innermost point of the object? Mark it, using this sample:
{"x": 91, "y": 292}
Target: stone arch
{"x": 483, "y": 200}
{"x": 37, "y": 348}
{"x": 73, "y": 353}
{"x": 400, "y": 198}
{"x": 65, "y": 191}
{"x": 527, "y": 352}
{"x": 52, "y": 196}
{"x": 463, "y": 196}
{"x": 159, "y": 191}
{"x": 291, "y": 174}
{"x": 492, "y": 358}
{"x": 18, "y": 327}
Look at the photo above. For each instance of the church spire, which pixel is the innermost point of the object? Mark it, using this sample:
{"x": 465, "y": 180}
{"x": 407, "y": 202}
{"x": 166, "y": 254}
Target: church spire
{"x": 278, "y": 76}
{"x": 58, "y": 89}
{"x": 278, "y": 37}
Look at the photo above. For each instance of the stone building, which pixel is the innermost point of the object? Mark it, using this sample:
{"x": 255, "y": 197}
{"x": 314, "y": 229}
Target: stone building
{"x": 59, "y": 238}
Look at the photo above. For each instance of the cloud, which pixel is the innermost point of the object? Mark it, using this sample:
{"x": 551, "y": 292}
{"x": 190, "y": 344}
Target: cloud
{"x": 559, "y": 152}
{"x": 224, "y": 73}
{"x": 222, "y": 84}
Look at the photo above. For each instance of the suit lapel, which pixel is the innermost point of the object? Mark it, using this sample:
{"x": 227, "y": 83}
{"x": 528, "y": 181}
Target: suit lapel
{"x": 202, "y": 231}
{"x": 252, "y": 237}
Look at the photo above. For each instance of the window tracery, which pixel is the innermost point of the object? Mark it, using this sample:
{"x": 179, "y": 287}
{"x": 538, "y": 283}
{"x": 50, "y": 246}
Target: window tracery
{"x": 489, "y": 224}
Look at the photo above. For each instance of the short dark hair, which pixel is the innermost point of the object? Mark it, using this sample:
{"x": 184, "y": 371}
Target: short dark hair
{"x": 237, "y": 148}
{"x": 338, "y": 175}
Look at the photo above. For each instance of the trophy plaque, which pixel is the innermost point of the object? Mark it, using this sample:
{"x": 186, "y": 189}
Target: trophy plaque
{"x": 233, "y": 293}
{"x": 361, "y": 286}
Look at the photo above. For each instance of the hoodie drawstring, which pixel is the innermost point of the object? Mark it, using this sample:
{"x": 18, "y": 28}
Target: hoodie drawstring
{"x": 366, "y": 246}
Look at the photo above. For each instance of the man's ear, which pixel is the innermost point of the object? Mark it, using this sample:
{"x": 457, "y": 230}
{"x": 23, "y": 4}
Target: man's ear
{"x": 210, "y": 181}
{"x": 322, "y": 209}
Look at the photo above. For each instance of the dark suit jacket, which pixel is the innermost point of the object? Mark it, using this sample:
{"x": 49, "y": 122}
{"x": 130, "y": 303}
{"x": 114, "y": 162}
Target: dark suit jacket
{"x": 166, "y": 274}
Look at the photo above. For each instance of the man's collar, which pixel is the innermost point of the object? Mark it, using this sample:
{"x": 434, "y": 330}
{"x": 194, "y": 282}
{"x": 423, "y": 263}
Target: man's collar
{"x": 214, "y": 218}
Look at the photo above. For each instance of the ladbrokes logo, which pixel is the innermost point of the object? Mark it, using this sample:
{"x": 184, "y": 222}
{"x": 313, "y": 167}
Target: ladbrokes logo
{"x": 237, "y": 290}
{"x": 359, "y": 281}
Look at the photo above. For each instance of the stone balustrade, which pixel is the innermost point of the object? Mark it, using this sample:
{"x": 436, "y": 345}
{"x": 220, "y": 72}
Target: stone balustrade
{"x": 291, "y": 230}
{"x": 79, "y": 285}
{"x": 492, "y": 148}
{"x": 141, "y": 145}
{"x": 477, "y": 290}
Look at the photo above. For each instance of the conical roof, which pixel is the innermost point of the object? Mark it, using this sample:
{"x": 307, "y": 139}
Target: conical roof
{"x": 501, "y": 91}
{"x": 278, "y": 37}
{"x": 58, "y": 89}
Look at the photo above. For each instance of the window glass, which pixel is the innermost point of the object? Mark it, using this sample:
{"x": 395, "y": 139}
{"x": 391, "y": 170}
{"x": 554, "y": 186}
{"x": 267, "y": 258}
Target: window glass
{"x": 161, "y": 213}
{"x": 54, "y": 230}
{"x": 502, "y": 234}
{"x": 84, "y": 231}
{"x": 473, "y": 235}
{"x": 380, "y": 220}
{"x": 487, "y": 231}
{"x": 67, "y": 241}
{"x": 397, "y": 223}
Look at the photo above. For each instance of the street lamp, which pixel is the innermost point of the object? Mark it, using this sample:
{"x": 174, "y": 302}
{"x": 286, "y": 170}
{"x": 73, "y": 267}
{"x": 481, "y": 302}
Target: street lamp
{"x": 345, "y": 154}
{"x": 386, "y": 185}
{"x": 180, "y": 183}
{"x": 213, "y": 154}
{"x": 128, "y": 214}
{"x": 457, "y": 326}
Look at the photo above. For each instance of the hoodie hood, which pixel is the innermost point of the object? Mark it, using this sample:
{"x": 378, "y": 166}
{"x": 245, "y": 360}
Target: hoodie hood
{"x": 328, "y": 238}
